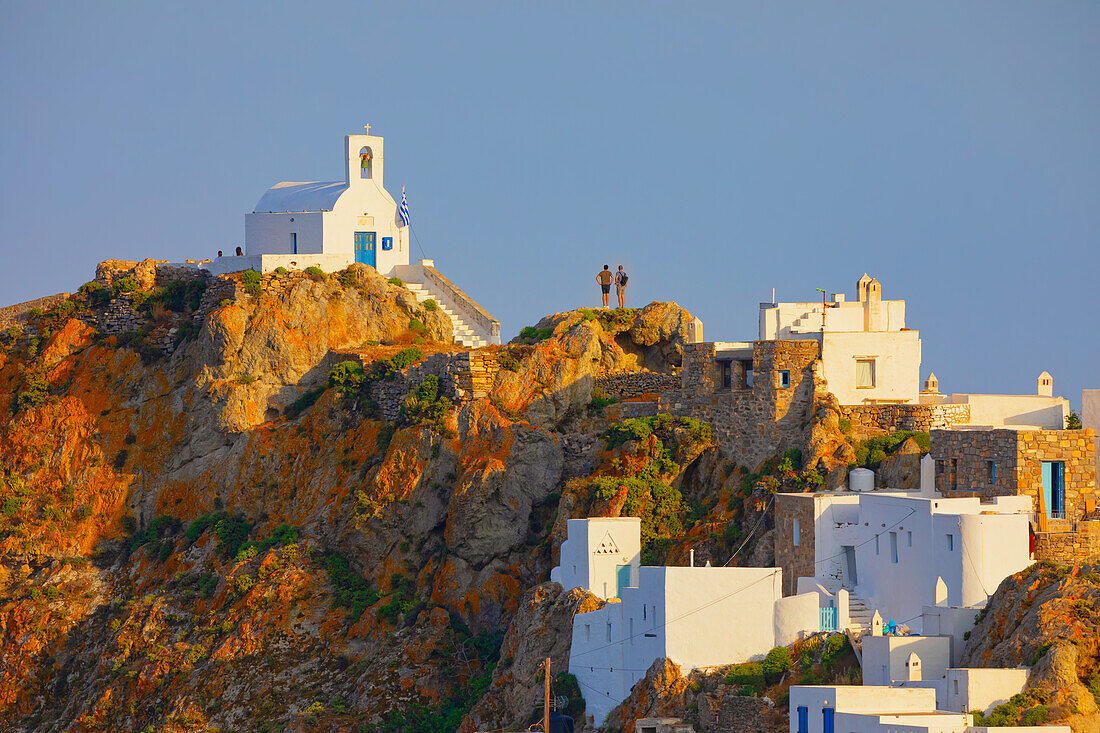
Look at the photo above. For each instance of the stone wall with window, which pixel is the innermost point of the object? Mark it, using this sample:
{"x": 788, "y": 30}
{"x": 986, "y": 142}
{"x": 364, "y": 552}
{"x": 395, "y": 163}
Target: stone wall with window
{"x": 751, "y": 423}
{"x": 1005, "y": 462}
{"x": 794, "y": 539}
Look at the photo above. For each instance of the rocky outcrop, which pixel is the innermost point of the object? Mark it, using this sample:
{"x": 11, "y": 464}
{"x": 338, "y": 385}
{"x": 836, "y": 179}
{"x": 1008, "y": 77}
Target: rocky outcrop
{"x": 901, "y": 469}
{"x": 1046, "y": 617}
{"x": 542, "y": 628}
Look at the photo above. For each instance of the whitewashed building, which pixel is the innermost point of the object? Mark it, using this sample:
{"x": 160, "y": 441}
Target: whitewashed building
{"x": 868, "y": 354}
{"x": 334, "y": 223}
{"x": 898, "y": 551}
{"x": 695, "y": 616}
{"x": 1040, "y": 410}
{"x": 879, "y": 709}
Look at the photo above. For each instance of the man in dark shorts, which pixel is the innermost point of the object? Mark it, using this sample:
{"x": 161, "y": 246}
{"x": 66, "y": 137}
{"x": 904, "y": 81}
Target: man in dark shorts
{"x": 604, "y": 279}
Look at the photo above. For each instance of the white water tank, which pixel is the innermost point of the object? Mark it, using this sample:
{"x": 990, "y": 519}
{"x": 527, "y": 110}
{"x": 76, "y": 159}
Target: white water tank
{"x": 861, "y": 479}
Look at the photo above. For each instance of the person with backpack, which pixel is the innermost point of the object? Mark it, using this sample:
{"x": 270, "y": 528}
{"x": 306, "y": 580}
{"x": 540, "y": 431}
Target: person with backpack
{"x": 620, "y": 286}
{"x": 604, "y": 279}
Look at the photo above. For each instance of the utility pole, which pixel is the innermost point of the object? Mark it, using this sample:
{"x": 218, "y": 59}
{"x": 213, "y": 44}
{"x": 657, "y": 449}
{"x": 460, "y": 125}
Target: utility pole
{"x": 546, "y": 700}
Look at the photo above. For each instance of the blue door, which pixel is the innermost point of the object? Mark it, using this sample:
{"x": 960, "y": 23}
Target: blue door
{"x": 827, "y": 720}
{"x": 803, "y": 719}
{"x": 1054, "y": 489}
{"x": 364, "y": 248}
{"x": 622, "y": 579}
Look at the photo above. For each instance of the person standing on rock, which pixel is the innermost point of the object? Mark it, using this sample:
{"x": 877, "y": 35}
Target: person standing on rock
{"x": 620, "y": 286}
{"x": 604, "y": 279}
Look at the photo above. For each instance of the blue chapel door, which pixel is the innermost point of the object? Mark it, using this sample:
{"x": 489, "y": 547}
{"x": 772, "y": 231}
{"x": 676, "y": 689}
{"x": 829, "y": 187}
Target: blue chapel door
{"x": 1054, "y": 489}
{"x": 364, "y": 248}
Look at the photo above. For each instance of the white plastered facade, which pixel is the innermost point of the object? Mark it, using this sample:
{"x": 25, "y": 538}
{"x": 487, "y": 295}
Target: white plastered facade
{"x": 868, "y": 354}
{"x": 893, "y": 548}
{"x": 318, "y": 220}
{"x": 879, "y": 709}
{"x": 594, "y": 552}
{"x": 695, "y": 616}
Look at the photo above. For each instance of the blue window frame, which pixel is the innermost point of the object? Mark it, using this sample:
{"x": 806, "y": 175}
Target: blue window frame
{"x": 803, "y": 719}
{"x": 387, "y": 242}
{"x": 784, "y": 378}
{"x": 950, "y": 543}
{"x": 294, "y": 243}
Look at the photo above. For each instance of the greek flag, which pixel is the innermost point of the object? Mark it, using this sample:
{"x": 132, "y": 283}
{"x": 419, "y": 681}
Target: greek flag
{"x": 404, "y": 209}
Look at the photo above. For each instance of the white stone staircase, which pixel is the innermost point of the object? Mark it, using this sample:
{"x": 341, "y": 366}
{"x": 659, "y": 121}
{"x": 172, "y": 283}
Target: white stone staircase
{"x": 859, "y": 615}
{"x": 464, "y": 333}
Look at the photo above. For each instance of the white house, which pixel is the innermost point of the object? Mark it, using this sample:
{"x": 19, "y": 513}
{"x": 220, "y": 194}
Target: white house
{"x": 695, "y": 616}
{"x": 899, "y": 551}
{"x": 1041, "y": 410}
{"x": 867, "y": 709}
{"x": 867, "y": 353}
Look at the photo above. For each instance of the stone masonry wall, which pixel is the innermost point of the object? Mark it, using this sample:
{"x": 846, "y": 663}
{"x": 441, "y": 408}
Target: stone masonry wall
{"x": 750, "y": 424}
{"x": 963, "y": 457}
{"x": 632, "y": 385}
{"x": 797, "y": 562}
{"x": 870, "y": 419}
{"x": 1078, "y": 546}
{"x": 463, "y": 376}
{"x": 14, "y": 314}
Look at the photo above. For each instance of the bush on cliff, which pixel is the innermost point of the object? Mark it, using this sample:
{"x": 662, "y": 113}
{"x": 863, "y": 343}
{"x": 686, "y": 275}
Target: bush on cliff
{"x": 251, "y": 281}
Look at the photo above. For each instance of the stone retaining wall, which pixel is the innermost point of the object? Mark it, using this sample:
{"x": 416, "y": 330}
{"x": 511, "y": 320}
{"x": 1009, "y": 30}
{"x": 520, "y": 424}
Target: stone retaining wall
{"x": 1078, "y": 546}
{"x": 629, "y": 385}
{"x": 463, "y": 376}
{"x": 16, "y": 314}
{"x": 868, "y": 420}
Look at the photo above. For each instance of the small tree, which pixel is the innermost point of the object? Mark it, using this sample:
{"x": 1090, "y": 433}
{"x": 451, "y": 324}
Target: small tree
{"x": 1073, "y": 421}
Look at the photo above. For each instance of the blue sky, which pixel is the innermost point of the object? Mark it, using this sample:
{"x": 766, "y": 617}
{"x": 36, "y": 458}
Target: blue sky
{"x": 717, "y": 150}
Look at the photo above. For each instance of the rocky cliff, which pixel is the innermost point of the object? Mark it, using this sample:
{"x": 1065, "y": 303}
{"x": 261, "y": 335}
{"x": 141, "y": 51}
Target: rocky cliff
{"x": 206, "y": 522}
{"x": 1048, "y": 618}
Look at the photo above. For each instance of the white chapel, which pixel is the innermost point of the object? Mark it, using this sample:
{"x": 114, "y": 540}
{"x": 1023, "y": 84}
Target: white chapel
{"x": 334, "y": 222}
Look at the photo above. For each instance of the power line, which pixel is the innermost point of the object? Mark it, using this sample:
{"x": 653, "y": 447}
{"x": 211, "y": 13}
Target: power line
{"x": 763, "y": 516}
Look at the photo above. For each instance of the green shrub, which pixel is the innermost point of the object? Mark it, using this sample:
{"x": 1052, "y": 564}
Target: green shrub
{"x": 600, "y": 401}
{"x": 731, "y": 534}
{"x": 430, "y": 305}
{"x": 280, "y": 270}
{"x": 1073, "y": 421}
{"x": 252, "y": 282}
{"x": 347, "y": 378}
{"x": 316, "y": 273}
{"x": 530, "y": 333}
{"x": 749, "y": 676}
{"x": 10, "y": 506}
{"x": 125, "y": 284}
{"x": 243, "y": 584}
{"x": 776, "y": 664}
{"x": 65, "y": 308}
{"x": 246, "y": 379}
{"x": 508, "y": 361}
{"x": 304, "y": 402}
{"x": 231, "y": 530}
{"x": 208, "y": 583}
{"x": 400, "y": 360}
{"x": 35, "y": 391}
{"x": 417, "y": 326}
{"x": 836, "y": 646}
{"x": 350, "y": 590}
{"x": 396, "y": 281}
{"x": 52, "y": 593}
